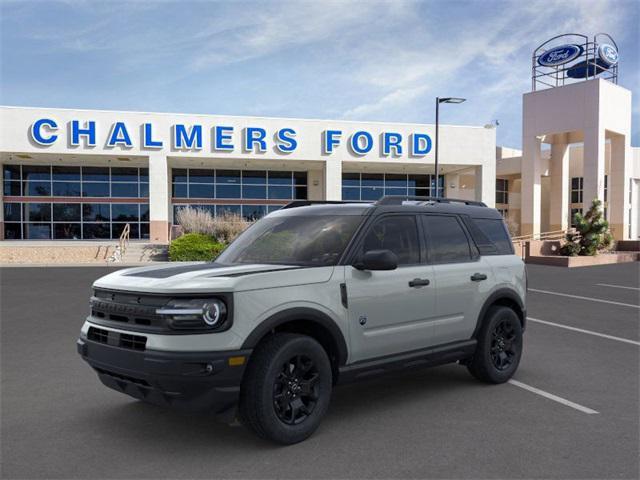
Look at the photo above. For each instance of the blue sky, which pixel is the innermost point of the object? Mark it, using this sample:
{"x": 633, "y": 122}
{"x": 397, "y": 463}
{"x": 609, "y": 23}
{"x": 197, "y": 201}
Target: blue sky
{"x": 355, "y": 60}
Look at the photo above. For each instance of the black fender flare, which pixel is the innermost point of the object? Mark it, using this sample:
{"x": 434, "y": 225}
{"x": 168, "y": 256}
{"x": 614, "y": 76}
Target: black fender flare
{"x": 296, "y": 314}
{"x": 500, "y": 294}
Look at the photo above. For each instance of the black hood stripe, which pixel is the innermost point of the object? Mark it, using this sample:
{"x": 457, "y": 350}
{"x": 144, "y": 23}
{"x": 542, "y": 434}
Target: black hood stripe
{"x": 255, "y": 272}
{"x": 171, "y": 271}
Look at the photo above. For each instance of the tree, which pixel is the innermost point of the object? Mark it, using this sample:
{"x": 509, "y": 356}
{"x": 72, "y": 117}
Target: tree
{"x": 592, "y": 233}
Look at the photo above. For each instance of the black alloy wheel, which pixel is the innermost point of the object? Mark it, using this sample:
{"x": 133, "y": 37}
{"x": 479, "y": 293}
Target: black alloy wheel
{"x": 295, "y": 390}
{"x": 503, "y": 351}
{"x": 286, "y": 389}
{"x": 499, "y": 348}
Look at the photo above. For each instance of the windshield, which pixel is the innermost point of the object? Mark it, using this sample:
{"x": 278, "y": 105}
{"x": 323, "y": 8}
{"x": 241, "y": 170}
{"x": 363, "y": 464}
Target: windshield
{"x": 313, "y": 241}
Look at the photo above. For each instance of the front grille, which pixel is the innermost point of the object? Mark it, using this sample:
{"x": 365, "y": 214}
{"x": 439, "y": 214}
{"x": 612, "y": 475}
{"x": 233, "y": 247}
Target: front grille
{"x": 128, "y": 310}
{"x": 117, "y": 339}
{"x": 136, "y": 312}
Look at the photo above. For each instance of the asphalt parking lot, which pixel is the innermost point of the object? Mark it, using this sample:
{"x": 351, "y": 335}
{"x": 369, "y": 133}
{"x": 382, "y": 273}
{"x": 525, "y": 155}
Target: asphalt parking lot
{"x": 572, "y": 412}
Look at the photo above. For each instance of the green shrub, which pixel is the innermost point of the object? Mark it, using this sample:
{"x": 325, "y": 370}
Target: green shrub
{"x": 193, "y": 247}
{"x": 592, "y": 233}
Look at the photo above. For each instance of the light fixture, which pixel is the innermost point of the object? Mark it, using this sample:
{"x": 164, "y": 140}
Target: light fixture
{"x": 194, "y": 314}
{"x": 451, "y": 100}
{"x": 440, "y": 100}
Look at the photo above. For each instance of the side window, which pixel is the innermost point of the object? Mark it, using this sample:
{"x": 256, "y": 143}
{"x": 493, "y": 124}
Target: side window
{"x": 398, "y": 234}
{"x": 447, "y": 241}
{"x": 495, "y": 231}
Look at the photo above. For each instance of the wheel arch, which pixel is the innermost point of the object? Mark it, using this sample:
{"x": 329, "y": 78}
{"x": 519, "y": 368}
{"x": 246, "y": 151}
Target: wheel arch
{"x": 504, "y": 297}
{"x": 307, "y": 321}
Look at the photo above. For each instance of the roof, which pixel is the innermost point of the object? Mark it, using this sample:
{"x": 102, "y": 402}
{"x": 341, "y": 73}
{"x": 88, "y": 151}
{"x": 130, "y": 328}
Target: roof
{"x": 390, "y": 204}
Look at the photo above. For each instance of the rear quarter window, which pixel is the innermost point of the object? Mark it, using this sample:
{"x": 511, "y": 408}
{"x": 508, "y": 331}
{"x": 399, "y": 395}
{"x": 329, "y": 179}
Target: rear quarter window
{"x": 496, "y": 231}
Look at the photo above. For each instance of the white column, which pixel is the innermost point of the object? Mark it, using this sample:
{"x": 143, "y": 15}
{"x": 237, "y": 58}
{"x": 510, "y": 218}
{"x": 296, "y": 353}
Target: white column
{"x": 315, "y": 185}
{"x": 593, "y": 166}
{"x": 485, "y": 188}
{"x": 531, "y": 186}
{"x": 618, "y": 190}
{"x": 559, "y": 204}
{"x": 332, "y": 179}
{"x": 159, "y": 198}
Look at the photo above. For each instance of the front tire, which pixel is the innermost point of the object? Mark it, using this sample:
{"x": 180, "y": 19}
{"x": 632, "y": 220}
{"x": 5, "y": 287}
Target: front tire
{"x": 499, "y": 347}
{"x": 286, "y": 389}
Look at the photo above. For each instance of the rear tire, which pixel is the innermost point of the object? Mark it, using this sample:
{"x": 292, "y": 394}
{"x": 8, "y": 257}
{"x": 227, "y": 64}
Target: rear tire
{"x": 499, "y": 347}
{"x": 286, "y": 389}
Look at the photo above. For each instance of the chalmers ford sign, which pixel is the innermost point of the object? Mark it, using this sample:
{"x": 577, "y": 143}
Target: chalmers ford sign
{"x": 220, "y": 138}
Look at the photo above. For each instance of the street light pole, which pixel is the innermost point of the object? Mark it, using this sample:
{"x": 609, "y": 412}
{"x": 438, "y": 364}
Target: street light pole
{"x": 437, "y": 142}
{"x": 438, "y": 102}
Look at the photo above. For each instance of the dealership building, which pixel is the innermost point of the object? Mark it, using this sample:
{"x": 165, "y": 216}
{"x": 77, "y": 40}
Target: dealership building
{"x": 81, "y": 174}
{"x": 86, "y": 174}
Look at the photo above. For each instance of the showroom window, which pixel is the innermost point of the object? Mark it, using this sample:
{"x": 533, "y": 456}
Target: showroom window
{"x": 74, "y": 221}
{"x": 249, "y": 212}
{"x": 77, "y": 202}
{"x": 249, "y": 193}
{"x": 373, "y": 186}
{"x": 576, "y": 189}
{"x": 502, "y": 190}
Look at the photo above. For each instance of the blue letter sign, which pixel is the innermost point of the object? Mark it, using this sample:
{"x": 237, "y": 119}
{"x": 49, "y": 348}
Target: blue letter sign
{"x": 222, "y": 137}
{"x": 330, "y": 141}
{"x": 147, "y": 138}
{"x": 255, "y": 136}
{"x": 89, "y": 131}
{"x": 286, "y": 140}
{"x": 421, "y": 144}
{"x": 36, "y": 131}
{"x": 183, "y": 139}
{"x": 119, "y": 136}
{"x": 359, "y": 148}
{"x": 392, "y": 140}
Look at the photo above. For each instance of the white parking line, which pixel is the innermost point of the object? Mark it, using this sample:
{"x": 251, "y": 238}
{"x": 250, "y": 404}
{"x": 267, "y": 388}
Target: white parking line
{"x": 616, "y": 286}
{"x": 589, "y": 332}
{"x": 584, "y": 298}
{"x": 553, "y": 397}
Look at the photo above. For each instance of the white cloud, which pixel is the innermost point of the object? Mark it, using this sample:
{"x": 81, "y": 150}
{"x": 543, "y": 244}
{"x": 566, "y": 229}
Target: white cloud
{"x": 496, "y": 52}
{"x": 362, "y": 60}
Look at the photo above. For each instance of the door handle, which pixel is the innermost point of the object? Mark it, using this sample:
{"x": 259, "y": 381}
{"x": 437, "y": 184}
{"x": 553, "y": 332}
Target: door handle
{"x": 418, "y": 282}
{"x": 478, "y": 277}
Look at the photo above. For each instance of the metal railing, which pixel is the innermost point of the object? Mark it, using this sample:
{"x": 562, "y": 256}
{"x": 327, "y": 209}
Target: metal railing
{"x": 552, "y": 235}
{"x": 520, "y": 242}
{"x": 123, "y": 243}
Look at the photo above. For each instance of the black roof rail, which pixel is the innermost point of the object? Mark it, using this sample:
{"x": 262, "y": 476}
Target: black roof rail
{"x": 306, "y": 203}
{"x": 399, "y": 199}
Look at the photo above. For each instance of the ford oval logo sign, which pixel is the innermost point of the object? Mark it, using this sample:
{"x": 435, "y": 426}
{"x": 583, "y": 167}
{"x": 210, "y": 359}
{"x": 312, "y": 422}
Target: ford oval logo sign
{"x": 608, "y": 54}
{"x": 560, "y": 55}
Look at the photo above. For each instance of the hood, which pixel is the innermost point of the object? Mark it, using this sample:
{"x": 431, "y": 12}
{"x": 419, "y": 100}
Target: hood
{"x": 200, "y": 277}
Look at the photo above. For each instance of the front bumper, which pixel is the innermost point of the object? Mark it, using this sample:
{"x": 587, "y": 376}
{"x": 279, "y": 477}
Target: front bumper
{"x": 188, "y": 380}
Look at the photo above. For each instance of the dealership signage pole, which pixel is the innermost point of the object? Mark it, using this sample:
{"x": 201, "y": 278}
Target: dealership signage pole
{"x": 438, "y": 102}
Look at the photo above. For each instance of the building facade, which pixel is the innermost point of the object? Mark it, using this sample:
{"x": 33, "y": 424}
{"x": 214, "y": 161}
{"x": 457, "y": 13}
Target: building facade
{"x": 84, "y": 175}
{"x": 509, "y": 188}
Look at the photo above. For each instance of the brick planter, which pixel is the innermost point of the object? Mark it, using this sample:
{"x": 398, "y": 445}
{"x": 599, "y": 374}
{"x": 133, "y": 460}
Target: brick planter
{"x": 602, "y": 259}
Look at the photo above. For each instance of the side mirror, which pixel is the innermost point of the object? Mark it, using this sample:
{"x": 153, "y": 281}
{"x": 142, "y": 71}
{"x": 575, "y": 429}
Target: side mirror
{"x": 377, "y": 260}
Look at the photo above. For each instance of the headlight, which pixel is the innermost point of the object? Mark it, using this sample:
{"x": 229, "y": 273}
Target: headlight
{"x": 206, "y": 313}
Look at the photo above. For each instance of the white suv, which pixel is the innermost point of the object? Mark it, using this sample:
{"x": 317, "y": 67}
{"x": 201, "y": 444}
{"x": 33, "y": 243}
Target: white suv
{"x": 310, "y": 296}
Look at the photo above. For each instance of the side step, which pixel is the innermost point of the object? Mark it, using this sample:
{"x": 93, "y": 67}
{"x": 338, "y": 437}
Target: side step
{"x": 428, "y": 357}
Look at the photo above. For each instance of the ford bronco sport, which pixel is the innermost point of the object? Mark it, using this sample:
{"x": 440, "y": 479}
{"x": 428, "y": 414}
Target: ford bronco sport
{"x": 310, "y": 296}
